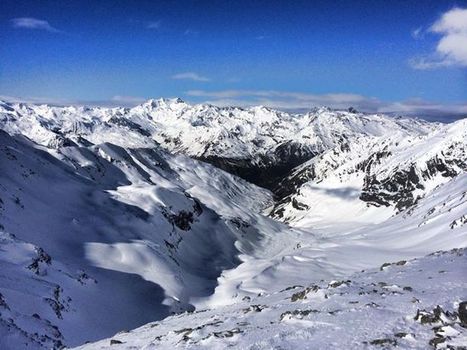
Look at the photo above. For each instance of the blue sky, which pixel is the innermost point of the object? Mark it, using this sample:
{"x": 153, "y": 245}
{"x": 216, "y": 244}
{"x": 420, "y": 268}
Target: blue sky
{"x": 376, "y": 55}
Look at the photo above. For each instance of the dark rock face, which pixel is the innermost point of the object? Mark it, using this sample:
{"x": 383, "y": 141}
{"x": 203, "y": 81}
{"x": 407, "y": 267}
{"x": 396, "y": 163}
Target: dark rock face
{"x": 41, "y": 258}
{"x": 182, "y": 219}
{"x": 372, "y": 160}
{"x": 290, "y": 184}
{"x": 270, "y": 169}
{"x": 462, "y": 311}
{"x": 125, "y": 122}
{"x": 397, "y": 189}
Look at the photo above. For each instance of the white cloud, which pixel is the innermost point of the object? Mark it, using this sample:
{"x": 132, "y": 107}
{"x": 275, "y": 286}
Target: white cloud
{"x": 33, "y": 23}
{"x": 190, "y": 76}
{"x": 451, "y": 49}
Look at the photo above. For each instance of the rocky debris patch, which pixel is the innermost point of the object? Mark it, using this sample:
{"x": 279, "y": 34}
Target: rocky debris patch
{"x": 39, "y": 263}
{"x": 450, "y": 331}
{"x": 297, "y": 313}
{"x": 303, "y": 294}
{"x": 459, "y": 222}
{"x": 399, "y": 263}
{"x": 383, "y": 342}
{"x": 255, "y": 308}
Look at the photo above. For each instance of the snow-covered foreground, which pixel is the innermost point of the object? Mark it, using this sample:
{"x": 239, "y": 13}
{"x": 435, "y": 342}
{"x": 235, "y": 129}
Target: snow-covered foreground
{"x": 408, "y": 304}
{"x": 103, "y": 229}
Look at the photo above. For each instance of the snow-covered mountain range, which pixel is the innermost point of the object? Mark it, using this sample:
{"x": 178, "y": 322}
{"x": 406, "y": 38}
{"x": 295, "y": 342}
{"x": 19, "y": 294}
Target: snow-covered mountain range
{"x": 111, "y": 218}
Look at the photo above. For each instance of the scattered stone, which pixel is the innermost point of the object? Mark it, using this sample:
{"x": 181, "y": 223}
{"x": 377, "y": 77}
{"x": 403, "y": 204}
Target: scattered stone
{"x": 401, "y": 335}
{"x": 299, "y": 313}
{"x": 227, "y": 334}
{"x": 335, "y": 284}
{"x": 437, "y": 340}
{"x": 302, "y": 295}
{"x": 384, "y": 341}
{"x": 425, "y": 317}
{"x": 292, "y": 287}
{"x": 384, "y": 266}
{"x": 255, "y": 308}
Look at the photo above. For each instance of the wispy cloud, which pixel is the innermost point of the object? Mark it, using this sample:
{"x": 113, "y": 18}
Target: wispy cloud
{"x": 284, "y": 99}
{"x": 190, "y": 76}
{"x": 128, "y": 100}
{"x": 33, "y": 23}
{"x": 299, "y": 102}
{"x": 115, "y": 101}
{"x": 451, "y": 49}
{"x": 418, "y": 33}
{"x": 153, "y": 25}
{"x": 191, "y": 32}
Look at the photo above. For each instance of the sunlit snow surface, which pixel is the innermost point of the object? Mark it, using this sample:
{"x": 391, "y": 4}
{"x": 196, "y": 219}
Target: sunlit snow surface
{"x": 369, "y": 310}
{"x": 103, "y": 230}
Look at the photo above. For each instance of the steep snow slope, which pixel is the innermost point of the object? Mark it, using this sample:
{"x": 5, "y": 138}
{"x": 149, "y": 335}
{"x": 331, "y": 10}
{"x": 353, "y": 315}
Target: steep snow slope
{"x": 409, "y": 304}
{"x": 372, "y": 178}
{"x": 109, "y": 226}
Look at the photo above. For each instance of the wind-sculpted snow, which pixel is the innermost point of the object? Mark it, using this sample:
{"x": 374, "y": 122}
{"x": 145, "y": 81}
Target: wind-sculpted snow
{"x": 111, "y": 218}
{"x": 124, "y": 218}
{"x": 412, "y": 304}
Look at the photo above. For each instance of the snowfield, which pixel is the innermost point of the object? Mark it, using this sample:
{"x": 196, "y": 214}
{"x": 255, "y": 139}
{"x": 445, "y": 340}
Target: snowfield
{"x": 409, "y": 304}
{"x": 214, "y": 227}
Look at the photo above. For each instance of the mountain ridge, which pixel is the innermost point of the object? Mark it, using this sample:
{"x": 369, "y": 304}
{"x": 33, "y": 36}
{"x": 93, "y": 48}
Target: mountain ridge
{"x": 99, "y": 204}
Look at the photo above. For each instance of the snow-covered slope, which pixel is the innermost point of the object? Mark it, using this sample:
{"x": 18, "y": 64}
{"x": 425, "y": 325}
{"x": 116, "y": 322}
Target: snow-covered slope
{"x": 110, "y": 226}
{"x": 109, "y": 220}
{"x": 408, "y": 304}
{"x": 338, "y": 249}
{"x": 372, "y": 178}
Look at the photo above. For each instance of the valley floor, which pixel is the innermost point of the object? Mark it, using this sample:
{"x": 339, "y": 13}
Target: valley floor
{"x": 301, "y": 291}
